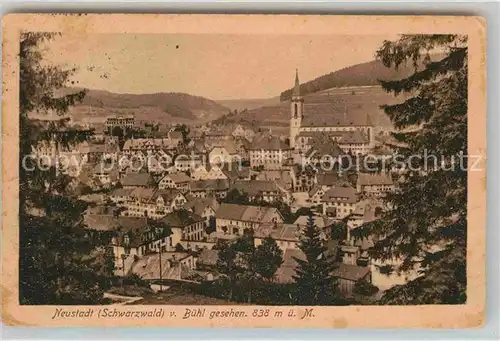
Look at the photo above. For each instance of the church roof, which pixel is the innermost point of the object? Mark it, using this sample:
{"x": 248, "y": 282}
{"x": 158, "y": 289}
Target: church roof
{"x": 353, "y": 137}
{"x": 328, "y": 115}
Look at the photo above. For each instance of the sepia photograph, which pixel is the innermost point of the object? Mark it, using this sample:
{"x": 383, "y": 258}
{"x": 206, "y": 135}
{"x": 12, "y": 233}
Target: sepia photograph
{"x": 244, "y": 171}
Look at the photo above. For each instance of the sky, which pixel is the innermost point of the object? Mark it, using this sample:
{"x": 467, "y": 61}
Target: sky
{"x": 213, "y": 66}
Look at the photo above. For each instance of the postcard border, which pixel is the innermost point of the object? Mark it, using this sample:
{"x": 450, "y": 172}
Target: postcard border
{"x": 432, "y": 316}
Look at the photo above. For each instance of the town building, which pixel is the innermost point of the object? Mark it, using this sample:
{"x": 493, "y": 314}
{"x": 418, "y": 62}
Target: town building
{"x": 179, "y": 181}
{"x": 130, "y": 237}
{"x": 209, "y": 188}
{"x": 303, "y": 178}
{"x": 152, "y": 203}
{"x": 374, "y": 184}
{"x": 122, "y": 121}
{"x": 172, "y": 266}
{"x": 222, "y": 152}
{"x": 339, "y": 202}
{"x": 365, "y": 211}
{"x": 316, "y": 194}
{"x": 269, "y": 152}
{"x": 350, "y": 274}
{"x": 185, "y": 163}
{"x": 185, "y": 226}
{"x": 235, "y": 219}
{"x": 283, "y": 178}
{"x": 287, "y": 236}
{"x": 256, "y": 190}
{"x": 149, "y": 145}
{"x": 244, "y": 132}
{"x": 204, "y": 207}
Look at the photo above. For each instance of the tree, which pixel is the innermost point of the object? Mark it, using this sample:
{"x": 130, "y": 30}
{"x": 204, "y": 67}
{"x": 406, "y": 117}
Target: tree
{"x": 245, "y": 249}
{"x": 234, "y": 196}
{"x": 267, "y": 258}
{"x": 184, "y": 129}
{"x": 212, "y": 225}
{"x": 227, "y": 265}
{"x": 57, "y": 262}
{"x": 313, "y": 281}
{"x": 365, "y": 288}
{"x": 427, "y": 226}
{"x": 117, "y": 131}
{"x": 339, "y": 231}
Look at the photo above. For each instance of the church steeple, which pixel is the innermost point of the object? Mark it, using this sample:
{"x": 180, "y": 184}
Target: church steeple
{"x": 296, "y": 110}
{"x": 296, "y": 89}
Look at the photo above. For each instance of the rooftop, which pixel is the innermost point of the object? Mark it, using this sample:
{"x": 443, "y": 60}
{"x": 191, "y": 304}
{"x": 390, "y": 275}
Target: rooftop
{"x": 353, "y": 137}
{"x": 137, "y": 179}
{"x": 326, "y": 115}
{"x": 256, "y": 214}
{"x": 255, "y": 187}
{"x": 366, "y": 179}
{"x": 179, "y": 177}
{"x": 323, "y": 145}
{"x": 288, "y": 232}
{"x": 198, "y": 205}
{"x": 269, "y": 143}
{"x": 351, "y": 272}
{"x": 181, "y": 219}
{"x": 148, "y": 267}
{"x": 338, "y": 194}
{"x": 211, "y": 184}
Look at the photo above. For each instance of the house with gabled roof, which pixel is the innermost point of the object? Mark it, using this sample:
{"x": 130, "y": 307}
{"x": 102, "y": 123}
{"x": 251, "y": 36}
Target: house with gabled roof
{"x": 130, "y": 237}
{"x": 287, "y": 236}
{"x": 339, "y": 202}
{"x": 187, "y": 162}
{"x": 152, "y": 203}
{"x": 234, "y": 219}
{"x": 179, "y": 181}
{"x": 264, "y": 190}
{"x": 374, "y": 184}
{"x": 204, "y": 207}
{"x": 206, "y": 188}
{"x": 269, "y": 152}
{"x": 185, "y": 226}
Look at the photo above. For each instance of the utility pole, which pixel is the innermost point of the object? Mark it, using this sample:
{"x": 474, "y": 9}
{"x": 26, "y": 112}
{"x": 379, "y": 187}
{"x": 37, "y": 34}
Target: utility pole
{"x": 159, "y": 252}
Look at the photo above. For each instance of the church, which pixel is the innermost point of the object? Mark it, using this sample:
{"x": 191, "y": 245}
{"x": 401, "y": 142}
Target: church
{"x": 353, "y": 132}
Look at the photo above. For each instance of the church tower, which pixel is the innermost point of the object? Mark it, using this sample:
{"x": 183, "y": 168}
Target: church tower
{"x": 296, "y": 111}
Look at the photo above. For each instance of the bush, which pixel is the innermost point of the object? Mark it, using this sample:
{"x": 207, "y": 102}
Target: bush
{"x": 365, "y": 288}
{"x": 135, "y": 279}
